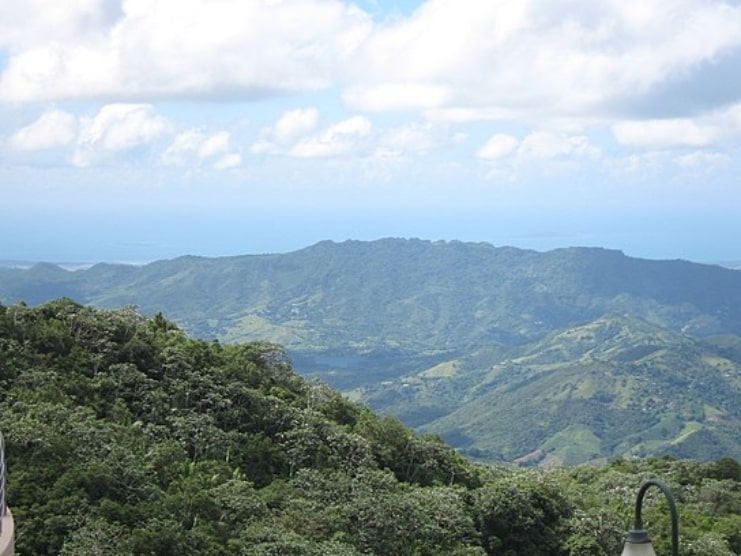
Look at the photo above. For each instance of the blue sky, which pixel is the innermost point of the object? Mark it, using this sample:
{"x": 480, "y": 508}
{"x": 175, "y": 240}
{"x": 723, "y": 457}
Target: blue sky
{"x": 133, "y": 130}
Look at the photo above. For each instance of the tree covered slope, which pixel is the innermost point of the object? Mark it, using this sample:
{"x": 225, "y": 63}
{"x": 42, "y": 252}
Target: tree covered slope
{"x": 568, "y": 356}
{"x": 612, "y": 387}
{"x": 125, "y": 436}
{"x": 408, "y": 294}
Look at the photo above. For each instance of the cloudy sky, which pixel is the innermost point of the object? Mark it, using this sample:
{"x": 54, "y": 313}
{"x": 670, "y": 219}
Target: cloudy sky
{"x": 132, "y": 130}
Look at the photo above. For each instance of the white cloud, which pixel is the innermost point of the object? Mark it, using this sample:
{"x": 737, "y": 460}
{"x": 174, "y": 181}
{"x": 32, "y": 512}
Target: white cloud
{"x": 43, "y": 72}
{"x": 716, "y": 128}
{"x": 498, "y": 146}
{"x": 545, "y": 145}
{"x": 229, "y": 161}
{"x": 538, "y": 145}
{"x": 193, "y": 146}
{"x": 664, "y": 133}
{"x": 532, "y": 60}
{"x": 217, "y": 143}
{"x": 732, "y": 116}
{"x": 413, "y": 137}
{"x": 295, "y": 124}
{"x": 574, "y": 72}
{"x": 118, "y": 127}
{"x": 25, "y": 24}
{"x": 178, "y": 49}
{"x": 540, "y": 152}
{"x": 295, "y": 134}
{"x": 668, "y": 167}
{"x": 183, "y": 146}
{"x": 456, "y": 60}
{"x": 290, "y": 127}
{"x": 701, "y": 159}
{"x": 54, "y": 128}
{"x": 465, "y": 115}
{"x": 397, "y": 96}
{"x": 343, "y": 138}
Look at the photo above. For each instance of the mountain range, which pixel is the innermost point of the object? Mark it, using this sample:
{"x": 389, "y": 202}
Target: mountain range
{"x": 570, "y": 355}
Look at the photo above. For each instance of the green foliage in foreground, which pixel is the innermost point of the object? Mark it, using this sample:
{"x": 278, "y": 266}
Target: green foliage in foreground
{"x": 124, "y": 436}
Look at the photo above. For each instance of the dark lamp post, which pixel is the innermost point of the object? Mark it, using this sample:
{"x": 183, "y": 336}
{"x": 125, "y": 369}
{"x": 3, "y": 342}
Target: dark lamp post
{"x": 637, "y": 543}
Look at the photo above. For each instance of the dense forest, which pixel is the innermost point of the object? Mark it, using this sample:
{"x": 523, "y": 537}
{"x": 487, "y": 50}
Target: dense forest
{"x": 575, "y": 355}
{"x": 126, "y": 436}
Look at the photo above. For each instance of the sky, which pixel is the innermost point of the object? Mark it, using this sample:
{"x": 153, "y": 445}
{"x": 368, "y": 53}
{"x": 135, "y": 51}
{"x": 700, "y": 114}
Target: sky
{"x": 136, "y": 130}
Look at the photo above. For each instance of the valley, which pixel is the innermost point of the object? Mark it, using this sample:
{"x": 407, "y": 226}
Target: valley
{"x": 567, "y": 356}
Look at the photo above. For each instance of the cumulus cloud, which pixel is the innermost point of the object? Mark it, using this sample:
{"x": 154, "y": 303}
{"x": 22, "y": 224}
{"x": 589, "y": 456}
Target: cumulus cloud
{"x": 712, "y": 128}
{"x": 121, "y": 128}
{"x": 540, "y": 145}
{"x": 168, "y": 48}
{"x": 507, "y": 157}
{"x": 659, "y": 75}
{"x": 539, "y": 59}
{"x": 54, "y": 128}
{"x": 663, "y": 133}
{"x": 290, "y": 127}
{"x": 296, "y": 134}
{"x": 196, "y": 145}
{"x": 228, "y": 161}
{"x": 701, "y": 159}
{"x": 498, "y": 146}
{"x": 343, "y": 138}
{"x": 401, "y": 95}
{"x": 545, "y": 145}
{"x": 115, "y": 128}
{"x": 649, "y": 165}
{"x": 295, "y": 124}
{"x": 453, "y": 58}
{"x": 184, "y": 145}
{"x": 27, "y": 24}
{"x": 412, "y": 138}
{"x": 217, "y": 143}
{"x": 118, "y": 127}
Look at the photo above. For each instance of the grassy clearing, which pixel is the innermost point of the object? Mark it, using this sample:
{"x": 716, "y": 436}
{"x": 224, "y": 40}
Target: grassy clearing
{"x": 576, "y": 443}
{"x": 447, "y": 369}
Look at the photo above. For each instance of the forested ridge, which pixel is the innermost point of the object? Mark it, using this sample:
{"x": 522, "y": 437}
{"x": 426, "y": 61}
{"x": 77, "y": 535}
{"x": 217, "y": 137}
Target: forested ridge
{"x": 579, "y": 354}
{"x": 126, "y": 436}
{"x": 444, "y": 335}
{"x": 411, "y": 295}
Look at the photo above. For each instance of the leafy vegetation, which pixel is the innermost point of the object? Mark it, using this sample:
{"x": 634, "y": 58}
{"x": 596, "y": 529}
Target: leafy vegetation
{"x": 612, "y": 387}
{"x": 409, "y": 295}
{"x": 572, "y": 355}
{"x": 125, "y": 436}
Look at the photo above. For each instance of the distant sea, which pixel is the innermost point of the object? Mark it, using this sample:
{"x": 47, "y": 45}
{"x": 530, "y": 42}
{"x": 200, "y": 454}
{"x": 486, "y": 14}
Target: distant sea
{"x": 65, "y": 265}
{"x": 72, "y": 266}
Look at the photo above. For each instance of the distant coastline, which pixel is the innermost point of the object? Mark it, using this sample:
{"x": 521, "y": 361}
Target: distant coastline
{"x": 733, "y": 265}
{"x": 71, "y": 266}
{"x": 78, "y": 265}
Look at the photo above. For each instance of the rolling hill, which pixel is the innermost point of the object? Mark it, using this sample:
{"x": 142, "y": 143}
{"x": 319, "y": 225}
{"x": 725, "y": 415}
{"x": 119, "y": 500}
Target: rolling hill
{"x": 615, "y": 386}
{"x": 568, "y": 355}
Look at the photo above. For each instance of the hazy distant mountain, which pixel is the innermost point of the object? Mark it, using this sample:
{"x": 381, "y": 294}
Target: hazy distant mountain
{"x": 407, "y": 294}
{"x": 365, "y": 314}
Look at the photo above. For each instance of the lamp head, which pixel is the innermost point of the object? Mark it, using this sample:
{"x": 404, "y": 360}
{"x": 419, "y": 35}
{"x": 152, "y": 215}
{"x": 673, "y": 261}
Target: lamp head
{"x": 638, "y": 544}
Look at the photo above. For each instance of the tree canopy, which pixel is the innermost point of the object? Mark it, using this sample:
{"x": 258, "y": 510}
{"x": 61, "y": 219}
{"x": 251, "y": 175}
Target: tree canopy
{"x": 125, "y": 436}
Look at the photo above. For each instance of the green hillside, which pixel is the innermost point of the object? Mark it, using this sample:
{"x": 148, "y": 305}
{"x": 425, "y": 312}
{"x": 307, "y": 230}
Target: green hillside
{"x": 126, "y": 437}
{"x": 616, "y": 386}
{"x": 411, "y": 295}
{"x": 563, "y": 356}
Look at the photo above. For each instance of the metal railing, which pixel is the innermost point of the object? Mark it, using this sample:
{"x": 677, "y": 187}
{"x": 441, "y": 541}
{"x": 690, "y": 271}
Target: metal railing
{"x": 3, "y": 506}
